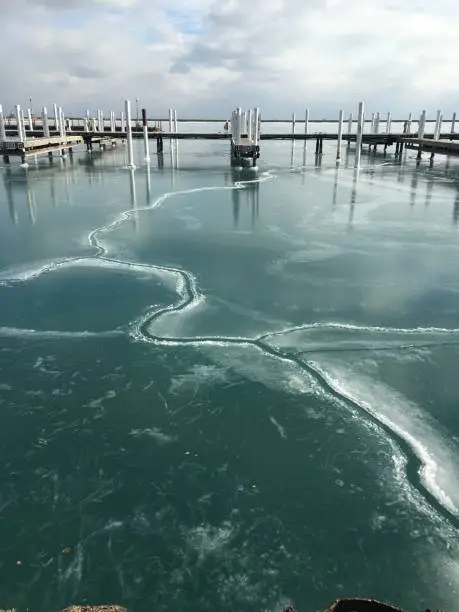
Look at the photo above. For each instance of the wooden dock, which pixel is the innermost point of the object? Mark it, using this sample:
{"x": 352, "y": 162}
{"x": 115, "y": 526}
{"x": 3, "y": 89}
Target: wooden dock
{"x": 37, "y": 146}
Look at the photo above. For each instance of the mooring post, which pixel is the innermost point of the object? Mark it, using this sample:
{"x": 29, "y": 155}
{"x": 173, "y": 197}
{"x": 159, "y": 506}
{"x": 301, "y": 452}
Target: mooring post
{"x": 45, "y": 122}
{"x": 453, "y": 123}
{"x": 349, "y": 125}
{"x": 437, "y": 130}
{"x": 29, "y": 118}
{"x": 145, "y": 135}
{"x": 306, "y": 126}
{"x": 61, "y": 122}
{"x": 408, "y": 123}
{"x": 359, "y": 136}
{"x": 418, "y": 156}
{"x": 127, "y": 108}
{"x": 422, "y": 124}
{"x": 377, "y": 120}
{"x": 388, "y": 123}
{"x": 123, "y": 123}
{"x": 340, "y": 135}
{"x": 175, "y": 122}
{"x": 317, "y": 146}
{"x": 257, "y": 125}
{"x": 159, "y": 144}
{"x": 170, "y": 121}
{"x": 250, "y": 124}
{"x": 21, "y": 134}
{"x": 293, "y": 125}
{"x": 2, "y": 125}
{"x": 56, "y": 117}
{"x": 372, "y": 125}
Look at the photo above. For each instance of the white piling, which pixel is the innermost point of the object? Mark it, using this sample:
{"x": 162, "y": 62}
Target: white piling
{"x": 256, "y": 123}
{"x": 123, "y": 123}
{"x": 408, "y": 127}
{"x": 453, "y": 123}
{"x": 175, "y": 122}
{"x": 377, "y": 121}
{"x": 61, "y": 123}
{"x": 29, "y": 118}
{"x": 340, "y": 135}
{"x": 349, "y": 124}
{"x": 422, "y": 124}
{"x": 293, "y": 125}
{"x": 437, "y": 130}
{"x": 145, "y": 135}
{"x": 388, "y": 123}
{"x": 372, "y": 126}
{"x": 21, "y": 134}
{"x": 44, "y": 120}
{"x": 56, "y": 117}
{"x": 2, "y": 125}
{"x": 170, "y": 121}
{"x": 127, "y": 108}
{"x": 358, "y": 143}
{"x": 250, "y": 124}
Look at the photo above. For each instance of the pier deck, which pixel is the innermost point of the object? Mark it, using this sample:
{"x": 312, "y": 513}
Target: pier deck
{"x": 37, "y": 146}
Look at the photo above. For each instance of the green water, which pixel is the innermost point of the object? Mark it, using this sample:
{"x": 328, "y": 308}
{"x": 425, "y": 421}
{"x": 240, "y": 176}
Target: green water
{"x": 237, "y": 396}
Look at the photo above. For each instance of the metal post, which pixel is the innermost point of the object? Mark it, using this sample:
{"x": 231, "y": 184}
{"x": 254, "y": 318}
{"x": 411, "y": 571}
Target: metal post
{"x": 127, "y": 108}
{"x": 293, "y": 125}
{"x": 359, "y": 136}
{"x": 56, "y": 117}
{"x": 21, "y": 134}
{"x": 437, "y": 130}
{"x": 2, "y": 125}
{"x": 453, "y": 123}
{"x": 340, "y": 135}
{"x": 145, "y": 135}
{"x": 175, "y": 122}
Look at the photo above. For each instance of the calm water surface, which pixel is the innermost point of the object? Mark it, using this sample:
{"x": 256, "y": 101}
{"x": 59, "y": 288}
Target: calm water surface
{"x": 225, "y": 389}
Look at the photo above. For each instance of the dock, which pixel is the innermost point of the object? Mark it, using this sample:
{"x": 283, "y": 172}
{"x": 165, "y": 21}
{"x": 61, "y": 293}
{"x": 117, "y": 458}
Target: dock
{"x": 37, "y": 146}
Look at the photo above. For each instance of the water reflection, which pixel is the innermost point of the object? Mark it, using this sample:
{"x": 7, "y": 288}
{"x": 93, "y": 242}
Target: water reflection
{"x": 246, "y": 190}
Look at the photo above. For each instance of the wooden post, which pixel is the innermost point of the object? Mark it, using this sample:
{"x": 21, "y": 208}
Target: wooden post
{"x": 159, "y": 144}
{"x": 145, "y": 135}
{"x": 360, "y": 120}
{"x": 340, "y": 135}
{"x": 317, "y": 146}
{"x": 2, "y": 125}
{"x": 127, "y": 108}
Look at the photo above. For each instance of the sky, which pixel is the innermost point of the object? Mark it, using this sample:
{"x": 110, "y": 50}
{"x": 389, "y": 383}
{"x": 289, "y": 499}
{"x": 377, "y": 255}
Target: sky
{"x": 206, "y": 57}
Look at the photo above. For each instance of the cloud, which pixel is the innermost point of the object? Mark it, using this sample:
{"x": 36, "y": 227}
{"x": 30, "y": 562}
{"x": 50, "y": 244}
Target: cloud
{"x": 204, "y": 57}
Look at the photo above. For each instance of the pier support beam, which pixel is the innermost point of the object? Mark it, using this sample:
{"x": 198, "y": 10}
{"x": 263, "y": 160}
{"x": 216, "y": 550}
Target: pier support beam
{"x": 127, "y": 108}
{"x": 340, "y": 135}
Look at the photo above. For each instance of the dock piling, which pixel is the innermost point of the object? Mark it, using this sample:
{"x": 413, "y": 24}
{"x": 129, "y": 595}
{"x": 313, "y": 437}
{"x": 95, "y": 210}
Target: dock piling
{"x": 145, "y": 135}
{"x": 29, "y": 118}
{"x": 2, "y": 125}
{"x": 340, "y": 135}
{"x": 293, "y": 125}
{"x": 422, "y": 124}
{"x": 127, "y": 108}
{"x": 56, "y": 117}
{"x": 377, "y": 121}
{"x": 20, "y": 129}
{"x": 360, "y": 120}
{"x": 44, "y": 120}
{"x": 349, "y": 126}
{"x": 388, "y": 123}
{"x": 437, "y": 130}
{"x": 175, "y": 122}
{"x": 306, "y": 125}
{"x": 453, "y": 123}
{"x": 408, "y": 126}
{"x": 123, "y": 123}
